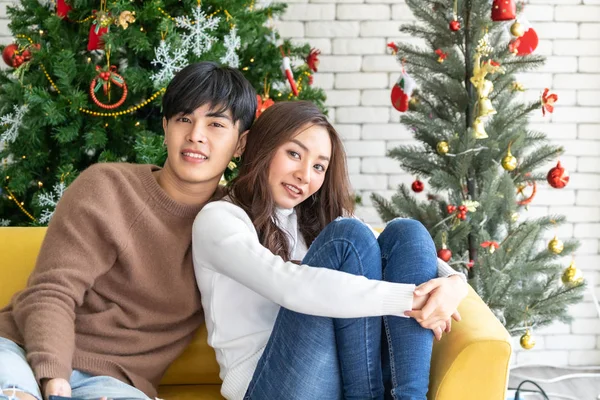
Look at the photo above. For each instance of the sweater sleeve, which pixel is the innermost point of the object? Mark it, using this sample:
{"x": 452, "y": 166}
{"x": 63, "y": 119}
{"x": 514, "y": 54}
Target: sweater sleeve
{"x": 225, "y": 241}
{"x": 78, "y": 247}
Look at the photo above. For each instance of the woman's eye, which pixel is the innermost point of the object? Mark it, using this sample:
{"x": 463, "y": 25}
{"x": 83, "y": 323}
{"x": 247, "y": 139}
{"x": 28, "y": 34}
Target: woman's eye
{"x": 294, "y": 154}
{"x": 320, "y": 168}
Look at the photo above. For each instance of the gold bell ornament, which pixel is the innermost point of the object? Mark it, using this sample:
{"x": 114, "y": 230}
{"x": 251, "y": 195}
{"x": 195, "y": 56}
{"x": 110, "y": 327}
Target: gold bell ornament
{"x": 527, "y": 341}
{"x": 556, "y": 246}
{"x": 509, "y": 162}
{"x": 479, "y": 129}
{"x": 442, "y": 147}
{"x": 572, "y": 275}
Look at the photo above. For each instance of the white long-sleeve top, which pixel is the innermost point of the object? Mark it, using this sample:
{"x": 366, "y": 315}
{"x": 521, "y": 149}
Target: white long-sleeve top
{"x": 243, "y": 285}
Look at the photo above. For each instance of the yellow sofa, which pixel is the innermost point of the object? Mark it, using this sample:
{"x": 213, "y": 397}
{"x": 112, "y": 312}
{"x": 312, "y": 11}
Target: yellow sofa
{"x": 470, "y": 363}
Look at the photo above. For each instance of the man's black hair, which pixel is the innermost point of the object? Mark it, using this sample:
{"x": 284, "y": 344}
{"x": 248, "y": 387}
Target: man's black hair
{"x": 221, "y": 87}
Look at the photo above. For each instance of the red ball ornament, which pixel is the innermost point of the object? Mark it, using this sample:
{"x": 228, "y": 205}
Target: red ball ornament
{"x": 504, "y": 10}
{"x": 558, "y": 177}
{"x": 454, "y": 25}
{"x": 417, "y": 186}
{"x": 525, "y": 44}
{"x": 444, "y": 254}
{"x": 8, "y": 54}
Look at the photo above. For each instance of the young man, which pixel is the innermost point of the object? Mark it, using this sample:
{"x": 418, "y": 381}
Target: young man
{"x": 113, "y": 300}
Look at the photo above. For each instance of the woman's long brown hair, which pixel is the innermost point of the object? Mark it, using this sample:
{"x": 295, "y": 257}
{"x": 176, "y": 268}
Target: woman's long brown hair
{"x": 278, "y": 125}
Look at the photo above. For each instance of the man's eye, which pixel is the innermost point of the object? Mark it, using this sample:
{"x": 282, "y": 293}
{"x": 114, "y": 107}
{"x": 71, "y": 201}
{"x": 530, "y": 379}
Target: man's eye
{"x": 183, "y": 119}
{"x": 218, "y": 125}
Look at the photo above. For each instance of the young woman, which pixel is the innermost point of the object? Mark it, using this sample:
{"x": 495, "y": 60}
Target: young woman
{"x": 294, "y": 288}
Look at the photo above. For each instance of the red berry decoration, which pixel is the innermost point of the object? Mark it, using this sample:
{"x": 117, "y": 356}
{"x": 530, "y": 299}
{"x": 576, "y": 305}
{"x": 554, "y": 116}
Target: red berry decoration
{"x": 417, "y": 186}
{"x": 444, "y": 254}
{"x": 454, "y": 25}
{"x": 109, "y": 77}
{"x": 462, "y": 215}
{"x": 470, "y": 264}
{"x": 462, "y": 209}
{"x": 451, "y": 208}
{"x": 558, "y": 177}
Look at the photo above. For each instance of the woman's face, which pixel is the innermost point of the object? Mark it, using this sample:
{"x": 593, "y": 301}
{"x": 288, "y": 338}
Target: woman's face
{"x": 299, "y": 166}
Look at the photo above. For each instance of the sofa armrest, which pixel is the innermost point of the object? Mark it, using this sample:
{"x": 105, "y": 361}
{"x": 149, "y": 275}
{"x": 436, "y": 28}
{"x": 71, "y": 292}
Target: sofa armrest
{"x": 472, "y": 361}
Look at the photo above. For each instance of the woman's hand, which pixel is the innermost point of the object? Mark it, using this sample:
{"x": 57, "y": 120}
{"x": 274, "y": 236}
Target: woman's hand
{"x": 441, "y": 297}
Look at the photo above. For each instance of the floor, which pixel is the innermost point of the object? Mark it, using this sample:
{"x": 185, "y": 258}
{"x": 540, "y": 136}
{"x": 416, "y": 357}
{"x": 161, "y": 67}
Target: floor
{"x": 577, "y": 388}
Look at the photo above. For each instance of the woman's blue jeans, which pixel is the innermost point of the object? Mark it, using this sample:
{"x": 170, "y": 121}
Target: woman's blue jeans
{"x": 309, "y": 357}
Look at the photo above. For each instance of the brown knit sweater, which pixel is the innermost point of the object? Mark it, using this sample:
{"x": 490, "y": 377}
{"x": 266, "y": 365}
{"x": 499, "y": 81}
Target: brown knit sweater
{"x": 113, "y": 292}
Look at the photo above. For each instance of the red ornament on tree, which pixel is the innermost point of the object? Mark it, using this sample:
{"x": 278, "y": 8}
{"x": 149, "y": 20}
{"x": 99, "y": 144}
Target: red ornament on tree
{"x": 558, "y": 177}
{"x": 504, "y": 10}
{"x": 402, "y": 91}
{"x": 454, "y": 25}
{"x": 62, "y": 8}
{"x": 9, "y": 53}
{"x": 444, "y": 254}
{"x": 417, "y": 186}
{"x": 95, "y": 37}
{"x": 263, "y": 105}
{"x": 525, "y": 44}
{"x": 313, "y": 59}
{"x": 104, "y": 79}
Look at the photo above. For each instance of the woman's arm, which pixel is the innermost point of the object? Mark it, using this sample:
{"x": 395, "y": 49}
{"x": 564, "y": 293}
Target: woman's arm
{"x": 225, "y": 241}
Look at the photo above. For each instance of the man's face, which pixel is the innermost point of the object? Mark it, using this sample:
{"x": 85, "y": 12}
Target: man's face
{"x": 201, "y": 144}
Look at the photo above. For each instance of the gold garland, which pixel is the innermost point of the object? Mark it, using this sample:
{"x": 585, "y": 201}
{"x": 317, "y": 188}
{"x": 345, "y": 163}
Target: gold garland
{"x": 193, "y": 22}
{"x": 129, "y": 110}
{"x": 12, "y": 197}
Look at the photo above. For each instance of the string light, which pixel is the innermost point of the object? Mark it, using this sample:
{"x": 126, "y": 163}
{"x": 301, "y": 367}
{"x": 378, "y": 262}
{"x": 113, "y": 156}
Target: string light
{"x": 19, "y": 204}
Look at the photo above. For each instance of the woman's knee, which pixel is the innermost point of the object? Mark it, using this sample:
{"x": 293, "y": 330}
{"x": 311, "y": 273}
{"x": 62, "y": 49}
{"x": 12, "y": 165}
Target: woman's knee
{"x": 408, "y": 238}
{"x": 348, "y": 245}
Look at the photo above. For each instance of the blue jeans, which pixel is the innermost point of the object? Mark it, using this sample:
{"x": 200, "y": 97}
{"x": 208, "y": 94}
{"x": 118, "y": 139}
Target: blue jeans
{"x": 310, "y": 357}
{"x": 16, "y": 375}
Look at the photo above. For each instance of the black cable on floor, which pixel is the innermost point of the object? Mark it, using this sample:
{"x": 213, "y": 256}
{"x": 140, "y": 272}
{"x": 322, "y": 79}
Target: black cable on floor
{"x": 519, "y": 390}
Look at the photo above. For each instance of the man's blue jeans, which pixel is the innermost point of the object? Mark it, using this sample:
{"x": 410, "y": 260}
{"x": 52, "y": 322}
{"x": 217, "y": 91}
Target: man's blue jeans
{"x": 309, "y": 357}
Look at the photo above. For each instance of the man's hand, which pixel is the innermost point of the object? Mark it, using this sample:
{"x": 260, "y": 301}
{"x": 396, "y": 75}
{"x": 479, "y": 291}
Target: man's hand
{"x": 56, "y": 387}
{"x": 442, "y": 297}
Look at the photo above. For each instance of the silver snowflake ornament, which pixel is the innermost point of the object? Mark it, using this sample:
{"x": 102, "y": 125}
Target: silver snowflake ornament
{"x": 14, "y": 121}
{"x": 232, "y": 43}
{"x": 198, "y": 37}
{"x": 50, "y": 200}
{"x": 169, "y": 63}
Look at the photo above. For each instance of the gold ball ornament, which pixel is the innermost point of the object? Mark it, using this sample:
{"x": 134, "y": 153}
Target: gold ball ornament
{"x": 527, "y": 341}
{"x": 556, "y": 246}
{"x": 572, "y": 275}
{"x": 443, "y": 147}
{"x": 509, "y": 162}
{"x": 517, "y": 29}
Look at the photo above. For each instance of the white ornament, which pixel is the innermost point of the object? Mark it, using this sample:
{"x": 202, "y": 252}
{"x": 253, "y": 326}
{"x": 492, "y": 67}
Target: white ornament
{"x": 14, "y": 120}
{"x": 272, "y": 36}
{"x": 4, "y": 222}
{"x": 232, "y": 43}
{"x": 198, "y": 37}
{"x": 51, "y": 200}
{"x": 170, "y": 63}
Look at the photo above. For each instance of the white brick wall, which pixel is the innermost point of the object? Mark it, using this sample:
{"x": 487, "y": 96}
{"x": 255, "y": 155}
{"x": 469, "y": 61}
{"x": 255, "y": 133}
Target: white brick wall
{"x": 357, "y": 75}
{"x": 358, "y": 78}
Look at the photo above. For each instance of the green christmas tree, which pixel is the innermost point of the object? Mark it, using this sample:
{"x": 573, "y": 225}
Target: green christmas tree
{"x": 480, "y": 159}
{"x": 87, "y": 78}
